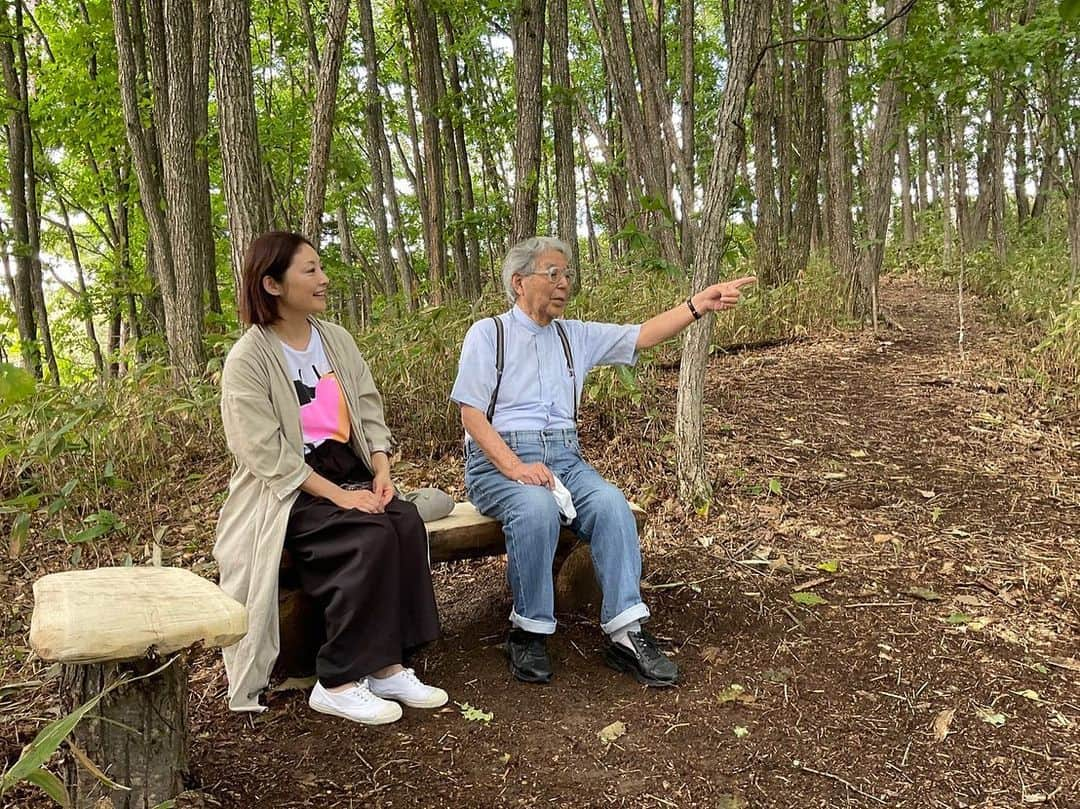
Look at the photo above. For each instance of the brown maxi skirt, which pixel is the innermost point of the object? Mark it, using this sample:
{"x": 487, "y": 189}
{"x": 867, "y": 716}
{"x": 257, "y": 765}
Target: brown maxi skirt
{"x": 368, "y": 572}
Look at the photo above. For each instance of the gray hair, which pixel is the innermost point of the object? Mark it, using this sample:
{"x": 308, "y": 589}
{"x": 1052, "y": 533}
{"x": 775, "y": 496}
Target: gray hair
{"x": 521, "y": 259}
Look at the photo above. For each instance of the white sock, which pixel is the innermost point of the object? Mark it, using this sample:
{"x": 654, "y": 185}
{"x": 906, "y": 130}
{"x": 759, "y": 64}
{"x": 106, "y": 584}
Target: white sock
{"x": 622, "y": 635}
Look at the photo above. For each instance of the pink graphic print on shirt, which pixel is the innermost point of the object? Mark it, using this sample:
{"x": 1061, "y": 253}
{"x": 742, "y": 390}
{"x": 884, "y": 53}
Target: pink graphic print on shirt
{"x": 325, "y": 414}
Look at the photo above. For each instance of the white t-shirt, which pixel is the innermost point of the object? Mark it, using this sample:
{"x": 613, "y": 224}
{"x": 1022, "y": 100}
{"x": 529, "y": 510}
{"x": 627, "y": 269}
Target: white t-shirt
{"x": 323, "y": 411}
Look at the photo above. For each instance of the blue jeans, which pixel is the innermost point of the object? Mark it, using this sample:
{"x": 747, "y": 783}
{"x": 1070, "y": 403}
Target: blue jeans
{"x": 530, "y": 520}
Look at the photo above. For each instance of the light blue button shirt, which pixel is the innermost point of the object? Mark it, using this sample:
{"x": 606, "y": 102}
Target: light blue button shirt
{"x": 537, "y": 392}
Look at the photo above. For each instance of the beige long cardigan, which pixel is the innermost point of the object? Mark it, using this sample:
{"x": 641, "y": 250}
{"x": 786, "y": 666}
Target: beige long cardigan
{"x": 261, "y": 415}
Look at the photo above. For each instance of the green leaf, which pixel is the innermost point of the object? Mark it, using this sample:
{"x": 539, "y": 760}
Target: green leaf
{"x": 97, "y": 524}
{"x": 46, "y": 743}
{"x": 808, "y": 599}
{"x": 1069, "y": 9}
{"x": 50, "y": 737}
{"x": 19, "y": 531}
{"x": 829, "y": 566}
{"x": 959, "y": 618}
{"x": 15, "y": 384}
{"x": 472, "y": 714}
{"x": 50, "y": 785}
{"x": 774, "y": 487}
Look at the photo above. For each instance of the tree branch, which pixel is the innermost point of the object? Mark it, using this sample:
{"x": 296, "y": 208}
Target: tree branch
{"x": 904, "y": 9}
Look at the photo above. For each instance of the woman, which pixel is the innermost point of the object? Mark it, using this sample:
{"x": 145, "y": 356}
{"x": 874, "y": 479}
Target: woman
{"x": 305, "y": 423}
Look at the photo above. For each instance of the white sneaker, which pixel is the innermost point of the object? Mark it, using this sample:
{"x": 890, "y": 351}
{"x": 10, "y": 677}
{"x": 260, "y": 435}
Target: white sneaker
{"x": 356, "y": 703}
{"x": 406, "y": 688}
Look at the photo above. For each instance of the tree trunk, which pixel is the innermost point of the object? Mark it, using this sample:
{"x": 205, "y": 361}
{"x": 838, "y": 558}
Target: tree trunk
{"x": 880, "y": 172}
{"x": 205, "y": 252}
{"x": 767, "y": 227}
{"x": 528, "y": 35}
{"x": 138, "y": 733}
{"x": 241, "y": 158}
{"x": 947, "y": 202}
{"x": 322, "y": 125}
{"x": 694, "y": 486}
{"x": 924, "y": 168}
{"x": 998, "y": 137}
{"x": 841, "y": 149}
{"x": 807, "y": 208}
{"x": 452, "y": 162}
{"x": 181, "y": 195}
{"x": 959, "y": 156}
{"x": 29, "y": 351}
{"x": 80, "y": 276}
{"x": 374, "y": 134}
{"x": 1074, "y": 221}
{"x": 687, "y": 108}
{"x": 562, "y": 127}
{"x": 1020, "y": 172}
{"x": 168, "y": 198}
{"x": 345, "y": 234}
{"x": 472, "y": 283}
{"x": 427, "y": 51}
{"x": 907, "y": 211}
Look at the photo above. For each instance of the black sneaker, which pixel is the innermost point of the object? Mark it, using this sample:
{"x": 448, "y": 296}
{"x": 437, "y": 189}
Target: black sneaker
{"x": 645, "y": 662}
{"x": 529, "y": 660}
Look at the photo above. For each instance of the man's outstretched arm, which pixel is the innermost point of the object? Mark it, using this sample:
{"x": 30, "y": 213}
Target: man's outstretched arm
{"x": 711, "y": 299}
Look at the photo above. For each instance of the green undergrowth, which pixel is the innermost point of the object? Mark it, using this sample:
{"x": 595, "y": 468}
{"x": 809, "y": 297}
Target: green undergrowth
{"x": 95, "y": 460}
{"x": 1029, "y": 290}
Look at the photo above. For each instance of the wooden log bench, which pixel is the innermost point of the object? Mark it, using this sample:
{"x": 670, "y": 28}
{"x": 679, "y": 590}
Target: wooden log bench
{"x": 125, "y": 622}
{"x": 464, "y": 534}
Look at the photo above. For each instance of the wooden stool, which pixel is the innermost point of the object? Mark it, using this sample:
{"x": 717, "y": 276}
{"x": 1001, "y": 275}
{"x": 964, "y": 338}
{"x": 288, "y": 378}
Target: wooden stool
{"x": 124, "y": 621}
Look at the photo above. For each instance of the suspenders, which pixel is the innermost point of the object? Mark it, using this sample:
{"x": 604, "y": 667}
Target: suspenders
{"x": 500, "y": 352}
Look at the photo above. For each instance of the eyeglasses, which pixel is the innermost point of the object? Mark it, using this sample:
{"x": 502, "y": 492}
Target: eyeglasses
{"x": 554, "y": 274}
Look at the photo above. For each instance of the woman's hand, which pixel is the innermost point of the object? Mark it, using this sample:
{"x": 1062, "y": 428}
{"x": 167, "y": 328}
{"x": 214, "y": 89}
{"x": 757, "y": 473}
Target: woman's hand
{"x": 359, "y": 499}
{"x": 383, "y": 489}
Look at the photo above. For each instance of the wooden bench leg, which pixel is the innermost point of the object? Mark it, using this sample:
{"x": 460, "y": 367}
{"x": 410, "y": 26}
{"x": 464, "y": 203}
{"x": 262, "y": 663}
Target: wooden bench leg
{"x": 576, "y": 587}
{"x": 302, "y": 633}
{"x": 137, "y": 734}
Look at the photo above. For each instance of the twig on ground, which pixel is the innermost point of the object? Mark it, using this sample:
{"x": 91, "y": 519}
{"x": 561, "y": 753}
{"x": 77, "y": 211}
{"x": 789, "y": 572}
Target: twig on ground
{"x": 840, "y": 780}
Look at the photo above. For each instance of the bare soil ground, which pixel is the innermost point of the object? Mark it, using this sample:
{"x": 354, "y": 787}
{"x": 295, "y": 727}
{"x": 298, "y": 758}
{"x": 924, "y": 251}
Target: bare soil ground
{"x": 928, "y": 499}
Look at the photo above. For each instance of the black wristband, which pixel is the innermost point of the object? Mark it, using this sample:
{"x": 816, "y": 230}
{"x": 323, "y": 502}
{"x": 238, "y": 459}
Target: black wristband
{"x": 693, "y": 310}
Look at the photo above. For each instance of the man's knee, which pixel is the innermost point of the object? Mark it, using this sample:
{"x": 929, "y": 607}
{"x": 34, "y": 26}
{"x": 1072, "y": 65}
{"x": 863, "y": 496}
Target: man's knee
{"x": 533, "y": 505}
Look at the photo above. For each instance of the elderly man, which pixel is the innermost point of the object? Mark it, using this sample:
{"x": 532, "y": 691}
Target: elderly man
{"x": 518, "y": 385}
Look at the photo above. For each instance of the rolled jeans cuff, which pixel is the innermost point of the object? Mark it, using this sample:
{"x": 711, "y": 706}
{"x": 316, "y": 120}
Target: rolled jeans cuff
{"x": 530, "y": 625}
{"x": 638, "y": 612}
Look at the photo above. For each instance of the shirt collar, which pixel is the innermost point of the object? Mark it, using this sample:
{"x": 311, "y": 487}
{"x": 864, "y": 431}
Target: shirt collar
{"x": 525, "y": 321}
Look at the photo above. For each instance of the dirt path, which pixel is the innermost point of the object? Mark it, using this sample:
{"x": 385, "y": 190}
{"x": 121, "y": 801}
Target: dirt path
{"x": 919, "y": 494}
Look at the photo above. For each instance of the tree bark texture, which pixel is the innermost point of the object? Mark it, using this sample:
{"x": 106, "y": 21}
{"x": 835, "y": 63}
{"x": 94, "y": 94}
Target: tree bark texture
{"x": 810, "y": 141}
{"x": 562, "y": 127}
{"x": 427, "y": 50}
{"x": 907, "y": 209}
{"x": 241, "y": 157}
{"x": 528, "y": 81}
{"x": 24, "y": 275}
{"x": 880, "y": 171}
{"x": 763, "y": 114}
{"x": 205, "y": 254}
{"x": 374, "y": 133}
{"x": 322, "y": 124}
{"x": 137, "y": 734}
{"x": 167, "y": 193}
{"x": 840, "y": 149}
{"x": 694, "y": 486}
